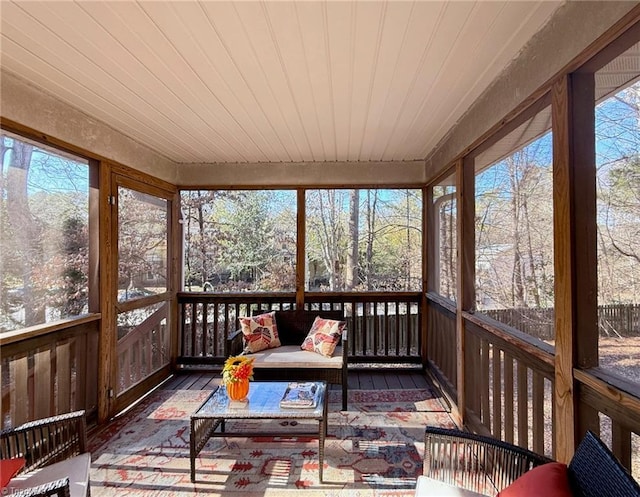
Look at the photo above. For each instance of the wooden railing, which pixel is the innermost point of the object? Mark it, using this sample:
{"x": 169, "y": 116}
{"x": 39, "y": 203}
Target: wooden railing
{"x": 616, "y": 404}
{"x": 509, "y": 384}
{"x": 50, "y": 370}
{"x": 442, "y": 343}
{"x": 144, "y": 350}
{"x": 382, "y": 326}
{"x": 508, "y": 381}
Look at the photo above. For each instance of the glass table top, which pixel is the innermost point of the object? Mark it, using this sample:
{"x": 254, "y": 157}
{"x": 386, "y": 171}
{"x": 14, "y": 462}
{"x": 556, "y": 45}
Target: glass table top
{"x": 264, "y": 402}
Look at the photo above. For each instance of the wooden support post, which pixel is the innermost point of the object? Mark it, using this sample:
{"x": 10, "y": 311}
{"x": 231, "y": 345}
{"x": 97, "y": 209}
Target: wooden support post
{"x": 301, "y": 266}
{"x": 175, "y": 275}
{"x": 465, "y": 298}
{"x": 429, "y": 274}
{"x": 428, "y": 265}
{"x": 574, "y": 198}
{"x": 107, "y": 340}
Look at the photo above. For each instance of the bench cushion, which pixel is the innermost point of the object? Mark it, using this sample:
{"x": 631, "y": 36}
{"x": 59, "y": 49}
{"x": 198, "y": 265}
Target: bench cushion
{"x": 290, "y": 356}
{"x": 75, "y": 468}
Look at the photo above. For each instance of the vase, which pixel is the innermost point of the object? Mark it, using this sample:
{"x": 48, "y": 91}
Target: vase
{"x": 237, "y": 390}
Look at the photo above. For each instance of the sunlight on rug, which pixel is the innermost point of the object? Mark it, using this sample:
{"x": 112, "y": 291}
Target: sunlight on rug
{"x": 375, "y": 448}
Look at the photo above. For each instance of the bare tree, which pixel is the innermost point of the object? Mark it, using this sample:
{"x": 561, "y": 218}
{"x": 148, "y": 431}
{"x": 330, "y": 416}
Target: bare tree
{"x": 618, "y": 163}
{"x": 351, "y": 279}
{"x": 26, "y": 232}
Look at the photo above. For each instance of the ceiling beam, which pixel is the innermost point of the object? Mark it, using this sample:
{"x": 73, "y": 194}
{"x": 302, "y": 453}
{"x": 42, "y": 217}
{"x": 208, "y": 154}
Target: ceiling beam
{"x": 308, "y": 174}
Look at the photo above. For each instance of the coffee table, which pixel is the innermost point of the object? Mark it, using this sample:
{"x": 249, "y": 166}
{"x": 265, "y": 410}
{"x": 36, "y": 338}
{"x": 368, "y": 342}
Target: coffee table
{"x": 264, "y": 403}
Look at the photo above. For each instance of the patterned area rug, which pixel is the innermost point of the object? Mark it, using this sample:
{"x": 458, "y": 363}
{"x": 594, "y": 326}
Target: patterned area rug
{"x": 375, "y": 448}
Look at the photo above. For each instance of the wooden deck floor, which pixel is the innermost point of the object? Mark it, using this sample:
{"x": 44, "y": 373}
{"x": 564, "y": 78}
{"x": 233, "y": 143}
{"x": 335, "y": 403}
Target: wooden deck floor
{"x": 358, "y": 380}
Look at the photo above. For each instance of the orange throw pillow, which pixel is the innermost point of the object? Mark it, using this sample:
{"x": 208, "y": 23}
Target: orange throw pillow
{"x": 548, "y": 480}
{"x": 9, "y": 468}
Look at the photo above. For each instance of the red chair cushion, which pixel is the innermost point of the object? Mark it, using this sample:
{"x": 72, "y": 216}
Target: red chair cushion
{"x": 548, "y": 480}
{"x": 9, "y": 468}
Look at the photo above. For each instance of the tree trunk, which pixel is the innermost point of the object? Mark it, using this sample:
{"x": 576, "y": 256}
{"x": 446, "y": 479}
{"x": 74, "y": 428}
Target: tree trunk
{"x": 407, "y": 285}
{"x": 3, "y": 229}
{"x": 329, "y": 238}
{"x": 517, "y": 282}
{"x": 202, "y": 242}
{"x": 352, "y": 254}
{"x": 27, "y": 234}
{"x": 532, "y": 266}
{"x": 371, "y": 223}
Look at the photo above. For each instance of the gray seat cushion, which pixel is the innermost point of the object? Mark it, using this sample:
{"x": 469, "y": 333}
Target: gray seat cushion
{"x": 75, "y": 468}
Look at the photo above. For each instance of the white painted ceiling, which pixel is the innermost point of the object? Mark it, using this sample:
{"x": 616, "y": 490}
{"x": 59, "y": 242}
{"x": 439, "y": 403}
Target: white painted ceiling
{"x": 281, "y": 81}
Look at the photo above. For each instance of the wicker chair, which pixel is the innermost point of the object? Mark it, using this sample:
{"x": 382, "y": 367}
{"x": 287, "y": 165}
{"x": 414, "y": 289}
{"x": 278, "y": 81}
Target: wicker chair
{"x": 474, "y": 462}
{"x": 486, "y": 465}
{"x": 595, "y": 472}
{"x": 54, "y": 448}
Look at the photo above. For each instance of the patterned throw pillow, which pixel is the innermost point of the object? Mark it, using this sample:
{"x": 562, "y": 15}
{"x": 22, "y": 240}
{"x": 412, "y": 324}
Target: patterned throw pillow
{"x": 323, "y": 336}
{"x": 260, "y": 332}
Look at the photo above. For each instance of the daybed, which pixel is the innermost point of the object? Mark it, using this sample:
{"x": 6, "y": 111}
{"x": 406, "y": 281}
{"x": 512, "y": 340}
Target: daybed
{"x": 288, "y": 361}
{"x": 469, "y": 465}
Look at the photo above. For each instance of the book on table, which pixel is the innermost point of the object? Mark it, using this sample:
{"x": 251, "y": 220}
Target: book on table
{"x": 300, "y": 394}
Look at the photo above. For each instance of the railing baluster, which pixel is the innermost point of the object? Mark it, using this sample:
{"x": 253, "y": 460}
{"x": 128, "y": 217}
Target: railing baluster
{"x": 523, "y": 406}
{"x": 365, "y": 316}
{"x": 483, "y": 373}
{"x": 216, "y": 333}
{"x": 194, "y": 325}
{"x": 509, "y": 431}
{"x": 409, "y": 328}
{"x": 376, "y": 329}
{"x": 385, "y": 326}
{"x": 497, "y": 391}
{"x": 353, "y": 336}
{"x": 537, "y": 404}
{"x": 397, "y": 307}
{"x": 205, "y": 326}
{"x": 43, "y": 395}
{"x": 63, "y": 370}
{"x": 182, "y": 312}
{"x": 226, "y": 324}
{"x": 621, "y": 443}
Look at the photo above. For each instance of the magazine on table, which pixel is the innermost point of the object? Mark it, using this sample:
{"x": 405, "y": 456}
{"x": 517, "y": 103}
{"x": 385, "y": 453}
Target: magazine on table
{"x": 300, "y": 394}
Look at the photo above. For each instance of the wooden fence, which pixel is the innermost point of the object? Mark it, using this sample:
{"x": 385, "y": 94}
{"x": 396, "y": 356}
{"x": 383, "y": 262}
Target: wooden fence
{"x": 622, "y": 320}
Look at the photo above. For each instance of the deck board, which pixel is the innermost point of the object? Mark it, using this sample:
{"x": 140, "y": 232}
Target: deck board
{"x": 358, "y": 380}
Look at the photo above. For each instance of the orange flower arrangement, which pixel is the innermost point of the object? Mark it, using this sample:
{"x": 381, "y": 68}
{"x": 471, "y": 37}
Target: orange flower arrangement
{"x": 237, "y": 368}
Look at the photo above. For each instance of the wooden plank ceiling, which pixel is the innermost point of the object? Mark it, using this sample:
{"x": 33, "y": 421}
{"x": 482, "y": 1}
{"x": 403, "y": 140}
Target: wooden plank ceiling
{"x": 207, "y": 81}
